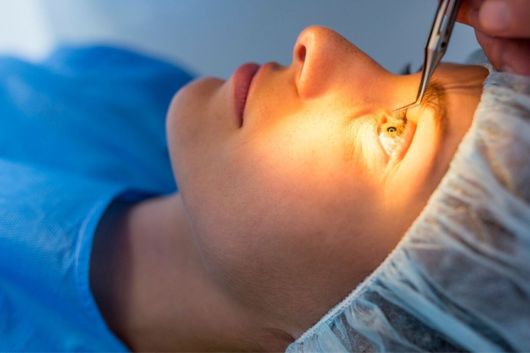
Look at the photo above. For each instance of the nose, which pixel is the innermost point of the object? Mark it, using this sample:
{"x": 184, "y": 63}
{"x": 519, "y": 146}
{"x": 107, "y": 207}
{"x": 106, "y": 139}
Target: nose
{"x": 314, "y": 57}
{"x": 324, "y": 61}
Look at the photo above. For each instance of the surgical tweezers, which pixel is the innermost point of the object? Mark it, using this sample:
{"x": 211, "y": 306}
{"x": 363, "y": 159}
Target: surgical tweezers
{"x": 437, "y": 43}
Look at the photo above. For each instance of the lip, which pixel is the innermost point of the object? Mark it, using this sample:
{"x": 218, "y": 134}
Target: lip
{"x": 242, "y": 80}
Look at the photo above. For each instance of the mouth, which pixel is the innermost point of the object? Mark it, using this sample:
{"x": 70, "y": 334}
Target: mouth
{"x": 242, "y": 80}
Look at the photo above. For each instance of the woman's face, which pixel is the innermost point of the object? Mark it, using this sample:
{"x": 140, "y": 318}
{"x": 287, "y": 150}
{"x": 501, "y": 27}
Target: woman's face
{"x": 297, "y": 197}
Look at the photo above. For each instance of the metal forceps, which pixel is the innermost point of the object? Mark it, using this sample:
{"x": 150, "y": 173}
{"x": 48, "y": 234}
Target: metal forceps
{"x": 437, "y": 43}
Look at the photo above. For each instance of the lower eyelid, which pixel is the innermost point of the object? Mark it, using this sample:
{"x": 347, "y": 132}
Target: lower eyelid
{"x": 365, "y": 146}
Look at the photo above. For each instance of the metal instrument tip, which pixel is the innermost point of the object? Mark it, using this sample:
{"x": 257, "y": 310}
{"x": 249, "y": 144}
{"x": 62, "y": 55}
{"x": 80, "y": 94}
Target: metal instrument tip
{"x": 406, "y": 107}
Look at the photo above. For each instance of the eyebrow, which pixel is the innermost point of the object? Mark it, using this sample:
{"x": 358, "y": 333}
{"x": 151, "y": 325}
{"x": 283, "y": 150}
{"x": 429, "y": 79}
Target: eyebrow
{"x": 435, "y": 98}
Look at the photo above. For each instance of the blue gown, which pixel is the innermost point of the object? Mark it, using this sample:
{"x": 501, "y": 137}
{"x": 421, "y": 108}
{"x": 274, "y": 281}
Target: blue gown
{"x": 78, "y": 130}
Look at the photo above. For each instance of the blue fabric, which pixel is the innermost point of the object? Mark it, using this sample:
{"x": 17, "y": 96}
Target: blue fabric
{"x": 79, "y": 130}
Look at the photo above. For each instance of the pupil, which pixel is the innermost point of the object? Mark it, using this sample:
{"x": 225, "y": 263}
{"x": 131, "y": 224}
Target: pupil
{"x": 391, "y": 129}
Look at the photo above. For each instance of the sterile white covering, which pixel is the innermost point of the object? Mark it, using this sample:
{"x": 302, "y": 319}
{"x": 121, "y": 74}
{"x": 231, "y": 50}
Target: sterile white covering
{"x": 460, "y": 278}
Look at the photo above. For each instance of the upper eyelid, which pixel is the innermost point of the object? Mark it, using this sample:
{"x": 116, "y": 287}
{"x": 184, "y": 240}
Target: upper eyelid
{"x": 434, "y": 96}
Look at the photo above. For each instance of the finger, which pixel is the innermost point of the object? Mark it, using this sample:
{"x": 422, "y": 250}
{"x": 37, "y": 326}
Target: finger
{"x": 492, "y": 48}
{"x": 510, "y": 55}
{"x": 502, "y": 18}
{"x": 468, "y": 8}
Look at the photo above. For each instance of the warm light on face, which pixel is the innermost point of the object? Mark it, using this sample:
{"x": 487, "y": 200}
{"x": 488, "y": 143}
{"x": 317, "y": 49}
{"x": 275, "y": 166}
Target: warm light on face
{"x": 367, "y": 147}
{"x": 309, "y": 139}
{"x": 374, "y": 143}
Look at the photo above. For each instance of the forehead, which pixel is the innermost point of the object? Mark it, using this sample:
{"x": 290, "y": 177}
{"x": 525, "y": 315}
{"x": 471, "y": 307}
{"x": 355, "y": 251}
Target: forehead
{"x": 453, "y": 73}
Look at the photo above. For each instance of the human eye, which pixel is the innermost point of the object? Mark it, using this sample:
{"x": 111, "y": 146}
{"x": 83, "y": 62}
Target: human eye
{"x": 394, "y": 133}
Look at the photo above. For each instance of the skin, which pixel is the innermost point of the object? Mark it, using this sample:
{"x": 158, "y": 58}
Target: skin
{"x": 279, "y": 219}
{"x": 503, "y": 30}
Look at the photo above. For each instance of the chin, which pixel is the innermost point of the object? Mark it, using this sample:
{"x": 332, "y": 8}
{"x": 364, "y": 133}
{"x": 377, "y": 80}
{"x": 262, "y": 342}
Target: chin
{"x": 185, "y": 120}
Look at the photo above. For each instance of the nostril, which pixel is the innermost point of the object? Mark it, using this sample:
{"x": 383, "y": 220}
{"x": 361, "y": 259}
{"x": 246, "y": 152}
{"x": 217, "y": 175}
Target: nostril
{"x": 301, "y": 53}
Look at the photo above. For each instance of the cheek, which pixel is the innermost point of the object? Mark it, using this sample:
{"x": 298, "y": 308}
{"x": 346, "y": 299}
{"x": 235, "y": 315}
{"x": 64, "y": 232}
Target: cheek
{"x": 266, "y": 202}
{"x": 274, "y": 204}
{"x": 196, "y": 119}
{"x": 186, "y": 108}
{"x": 268, "y": 229}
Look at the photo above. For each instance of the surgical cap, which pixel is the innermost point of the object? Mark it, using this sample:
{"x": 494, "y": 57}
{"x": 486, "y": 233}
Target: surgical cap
{"x": 459, "y": 280}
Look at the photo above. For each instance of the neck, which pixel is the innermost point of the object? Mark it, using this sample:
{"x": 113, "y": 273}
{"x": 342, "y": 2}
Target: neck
{"x": 149, "y": 281}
